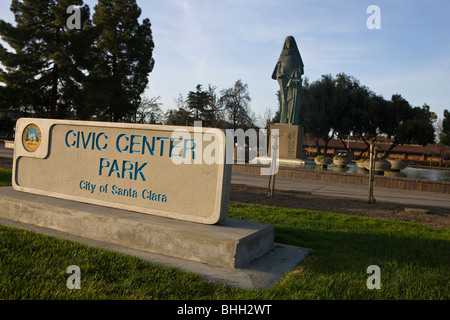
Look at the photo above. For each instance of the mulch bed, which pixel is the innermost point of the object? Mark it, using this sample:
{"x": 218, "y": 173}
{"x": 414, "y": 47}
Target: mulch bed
{"x": 436, "y": 218}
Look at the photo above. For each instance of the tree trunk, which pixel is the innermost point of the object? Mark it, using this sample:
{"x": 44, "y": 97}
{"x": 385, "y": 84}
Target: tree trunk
{"x": 325, "y": 147}
{"x": 54, "y": 92}
{"x": 364, "y": 151}
{"x": 318, "y": 146}
{"x": 326, "y": 142}
{"x": 367, "y": 144}
{"x": 114, "y": 72}
{"x": 343, "y": 143}
{"x": 55, "y": 78}
{"x": 394, "y": 144}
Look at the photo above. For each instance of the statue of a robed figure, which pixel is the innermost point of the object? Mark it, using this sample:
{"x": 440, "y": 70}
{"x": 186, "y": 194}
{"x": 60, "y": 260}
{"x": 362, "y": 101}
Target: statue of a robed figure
{"x": 287, "y": 149}
{"x": 288, "y": 72}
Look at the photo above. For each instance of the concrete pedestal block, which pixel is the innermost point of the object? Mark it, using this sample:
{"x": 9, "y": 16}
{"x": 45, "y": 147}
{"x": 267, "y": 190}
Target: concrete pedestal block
{"x": 290, "y": 141}
{"x": 230, "y": 244}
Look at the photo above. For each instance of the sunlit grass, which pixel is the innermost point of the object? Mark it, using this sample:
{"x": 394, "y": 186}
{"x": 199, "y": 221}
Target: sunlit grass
{"x": 414, "y": 262}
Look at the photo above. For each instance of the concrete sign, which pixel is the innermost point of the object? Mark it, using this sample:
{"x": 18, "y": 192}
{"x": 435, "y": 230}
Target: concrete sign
{"x": 149, "y": 169}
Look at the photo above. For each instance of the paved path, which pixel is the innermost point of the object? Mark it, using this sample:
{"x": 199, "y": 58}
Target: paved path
{"x": 351, "y": 191}
{"x": 6, "y": 152}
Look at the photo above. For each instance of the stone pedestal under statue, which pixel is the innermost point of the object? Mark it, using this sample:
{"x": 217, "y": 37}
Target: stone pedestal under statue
{"x": 290, "y": 144}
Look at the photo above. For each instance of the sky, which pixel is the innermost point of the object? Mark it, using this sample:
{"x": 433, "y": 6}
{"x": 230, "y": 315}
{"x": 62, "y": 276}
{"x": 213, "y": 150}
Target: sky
{"x": 218, "y": 42}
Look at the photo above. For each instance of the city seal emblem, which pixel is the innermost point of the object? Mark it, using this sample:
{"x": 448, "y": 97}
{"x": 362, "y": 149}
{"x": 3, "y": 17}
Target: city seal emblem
{"x": 31, "y": 138}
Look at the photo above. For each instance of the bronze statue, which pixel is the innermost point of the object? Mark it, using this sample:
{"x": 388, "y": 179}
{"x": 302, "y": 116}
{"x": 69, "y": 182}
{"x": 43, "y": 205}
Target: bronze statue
{"x": 288, "y": 72}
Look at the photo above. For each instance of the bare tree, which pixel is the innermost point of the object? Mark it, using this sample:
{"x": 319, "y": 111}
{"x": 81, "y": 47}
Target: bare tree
{"x": 149, "y": 111}
{"x": 265, "y": 119}
{"x": 236, "y": 101}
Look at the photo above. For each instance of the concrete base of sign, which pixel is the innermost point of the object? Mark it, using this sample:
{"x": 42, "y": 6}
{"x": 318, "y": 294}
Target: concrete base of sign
{"x": 230, "y": 244}
{"x": 261, "y": 273}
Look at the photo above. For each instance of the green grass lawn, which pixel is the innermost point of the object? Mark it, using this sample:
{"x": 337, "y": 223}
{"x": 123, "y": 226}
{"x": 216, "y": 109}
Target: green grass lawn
{"x": 414, "y": 262}
{"x": 5, "y": 177}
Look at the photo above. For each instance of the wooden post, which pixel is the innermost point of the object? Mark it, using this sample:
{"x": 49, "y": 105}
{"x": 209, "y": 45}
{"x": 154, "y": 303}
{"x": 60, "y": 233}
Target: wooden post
{"x": 373, "y": 153}
{"x": 273, "y": 165}
{"x": 271, "y": 192}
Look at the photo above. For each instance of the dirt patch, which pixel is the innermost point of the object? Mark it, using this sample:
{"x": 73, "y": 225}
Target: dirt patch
{"x": 436, "y": 218}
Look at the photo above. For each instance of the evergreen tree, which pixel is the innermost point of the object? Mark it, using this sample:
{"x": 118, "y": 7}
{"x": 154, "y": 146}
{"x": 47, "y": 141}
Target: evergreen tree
{"x": 445, "y": 134}
{"x": 179, "y": 117}
{"x": 44, "y": 72}
{"x": 206, "y": 106}
{"x": 124, "y": 50}
{"x": 316, "y": 109}
{"x": 198, "y": 102}
{"x": 215, "y": 115}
